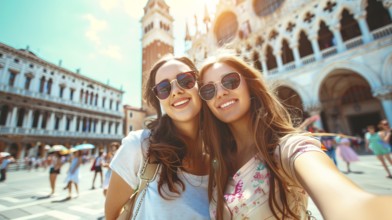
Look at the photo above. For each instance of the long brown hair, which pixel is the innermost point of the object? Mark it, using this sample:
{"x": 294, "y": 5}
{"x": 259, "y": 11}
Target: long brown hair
{"x": 167, "y": 145}
{"x": 270, "y": 122}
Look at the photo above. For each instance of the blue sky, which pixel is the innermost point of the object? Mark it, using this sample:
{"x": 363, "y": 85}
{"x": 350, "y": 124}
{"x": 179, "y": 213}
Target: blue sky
{"x": 101, "y": 37}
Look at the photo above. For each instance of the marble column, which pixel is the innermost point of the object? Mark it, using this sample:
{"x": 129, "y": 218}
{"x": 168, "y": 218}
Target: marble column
{"x": 63, "y": 123}
{"x": 278, "y": 56}
{"x": 73, "y": 124}
{"x": 39, "y": 126}
{"x": 338, "y": 38}
{"x": 12, "y": 120}
{"x": 315, "y": 46}
{"x": 28, "y": 122}
{"x": 366, "y": 35}
{"x": 50, "y": 125}
{"x": 297, "y": 56}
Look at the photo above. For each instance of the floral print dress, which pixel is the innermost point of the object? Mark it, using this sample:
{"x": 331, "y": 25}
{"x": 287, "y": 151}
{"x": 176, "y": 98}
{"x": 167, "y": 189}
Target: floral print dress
{"x": 247, "y": 192}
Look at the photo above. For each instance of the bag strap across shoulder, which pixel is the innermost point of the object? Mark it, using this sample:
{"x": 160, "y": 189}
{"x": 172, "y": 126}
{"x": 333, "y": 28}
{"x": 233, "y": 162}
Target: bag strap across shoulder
{"x": 148, "y": 172}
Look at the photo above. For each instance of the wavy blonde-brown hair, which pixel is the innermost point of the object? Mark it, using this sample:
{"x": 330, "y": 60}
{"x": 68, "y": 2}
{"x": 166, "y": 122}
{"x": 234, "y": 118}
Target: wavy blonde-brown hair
{"x": 167, "y": 145}
{"x": 270, "y": 122}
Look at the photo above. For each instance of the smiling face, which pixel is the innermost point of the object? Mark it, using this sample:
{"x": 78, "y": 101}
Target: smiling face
{"x": 228, "y": 106}
{"x": 182, "y": 105}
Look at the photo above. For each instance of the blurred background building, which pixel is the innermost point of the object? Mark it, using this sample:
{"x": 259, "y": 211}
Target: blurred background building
{"x": 44, "y": 104}
{"x": 133, "y": 119}
{"x": 331, "y": 58}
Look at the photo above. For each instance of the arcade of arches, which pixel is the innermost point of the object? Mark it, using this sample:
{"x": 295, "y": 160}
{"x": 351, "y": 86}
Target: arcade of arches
{"x": 346, "y": 103}
{"x": 377, "y": 16}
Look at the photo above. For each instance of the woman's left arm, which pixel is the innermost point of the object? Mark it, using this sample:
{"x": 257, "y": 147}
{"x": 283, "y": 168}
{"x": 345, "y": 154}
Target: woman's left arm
{"x": 336, "y": 196}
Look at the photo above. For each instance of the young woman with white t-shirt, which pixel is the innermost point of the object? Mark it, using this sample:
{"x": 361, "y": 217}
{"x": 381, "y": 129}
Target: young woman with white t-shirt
{"x": 174, "y": 139}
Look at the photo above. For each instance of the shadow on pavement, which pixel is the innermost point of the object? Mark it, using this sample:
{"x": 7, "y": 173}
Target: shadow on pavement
{"x": 62, "y": 200}
{"x": 43, "y": 197}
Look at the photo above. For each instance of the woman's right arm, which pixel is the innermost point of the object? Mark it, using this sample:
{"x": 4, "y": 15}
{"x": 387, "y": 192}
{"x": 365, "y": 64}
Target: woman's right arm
{"x": 117, "y": 195}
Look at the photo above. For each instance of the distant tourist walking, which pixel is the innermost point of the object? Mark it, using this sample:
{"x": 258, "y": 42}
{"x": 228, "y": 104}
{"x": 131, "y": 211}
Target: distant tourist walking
{"x": 4, "y": 164}
{"x": 346, "y": 152}
{"x": 330, "y": 144}
{"x": 54, "y": 170}
{"x": 73, "y": 173}
{"x": 385, "y": 133}
{"x": 375, "y": 143}
{"x": 113, "y": 148}
{"x": 97, "y": 168}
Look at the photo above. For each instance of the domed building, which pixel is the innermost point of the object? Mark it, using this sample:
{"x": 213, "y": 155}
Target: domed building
{"x": 331, "y": 58}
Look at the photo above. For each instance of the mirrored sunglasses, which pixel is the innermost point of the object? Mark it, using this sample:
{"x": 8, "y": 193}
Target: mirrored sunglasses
{"x": 186, "y": 80}
{"x": 229, "y": 81}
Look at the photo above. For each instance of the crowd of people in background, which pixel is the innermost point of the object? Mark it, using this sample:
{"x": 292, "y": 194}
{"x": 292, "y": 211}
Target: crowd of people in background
{"x": 376, "y": 140}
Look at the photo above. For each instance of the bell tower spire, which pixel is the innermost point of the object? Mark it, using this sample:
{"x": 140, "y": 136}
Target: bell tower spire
{"x": 157, "y": 39}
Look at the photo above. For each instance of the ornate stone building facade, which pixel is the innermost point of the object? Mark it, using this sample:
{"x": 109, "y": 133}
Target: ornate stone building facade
{"x": 327, "y": 57}
{"x": 45, "y": 104}
{"x": 157, "y": 39}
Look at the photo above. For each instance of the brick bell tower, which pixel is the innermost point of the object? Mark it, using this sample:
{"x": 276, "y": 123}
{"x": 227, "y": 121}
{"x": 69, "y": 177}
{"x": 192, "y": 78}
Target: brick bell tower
{"x": 157, "y": 39}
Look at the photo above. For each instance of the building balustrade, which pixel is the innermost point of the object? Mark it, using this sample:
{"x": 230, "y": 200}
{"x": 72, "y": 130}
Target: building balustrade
{"x": 289, "y": 66}
{"x": 309, "y": 59}
{"x": 350, "y": 44}
{"x": 46, "y": 97}
{"x": 355, "y": 42}
{"x": 53, "y": 133}
{"x": 382, "y": 32}
{"x": 273, "y": 71}
{"x": 329, "y": 52}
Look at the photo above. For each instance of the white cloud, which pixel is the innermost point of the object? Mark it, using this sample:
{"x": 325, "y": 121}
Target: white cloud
{"x": 134, "y": 8}
{"x": 108, "y": 5}
{"x": 95, "y": 27}
{"x": 112, "y": 51}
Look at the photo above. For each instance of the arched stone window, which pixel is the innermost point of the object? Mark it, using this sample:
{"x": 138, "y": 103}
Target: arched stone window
{"x": 349, "y": 26}
{"x": 12, "y": 78}
{"x": 256, "y": 61}
{"x": 49, "y": 86}
{"x": 226, "y": 27}
{"x": 91, "y": 98}
{"x": 287, "y": 53}
{"x": 377, "y": 16}
{"x": 325, "y": 36}
{"x": 42, "y": 84}
{"x": 305, "y": 46}
{"x": 86, "y": 97}
{"x": 28, "y": 78}
{"x": 271, "y": 60}
{"x": 266, "y": 7}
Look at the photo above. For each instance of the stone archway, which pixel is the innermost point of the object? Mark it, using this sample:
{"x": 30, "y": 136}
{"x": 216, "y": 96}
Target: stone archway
{"x": 347, "y": 102}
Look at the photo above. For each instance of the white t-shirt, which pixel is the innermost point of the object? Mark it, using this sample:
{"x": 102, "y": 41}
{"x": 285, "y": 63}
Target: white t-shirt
{"x": 191, "y": 204}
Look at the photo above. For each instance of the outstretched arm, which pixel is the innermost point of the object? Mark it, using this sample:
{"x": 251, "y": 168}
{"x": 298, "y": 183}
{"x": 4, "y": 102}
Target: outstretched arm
{"x": 336, "y": 196}
{"x": 118, "y": 193}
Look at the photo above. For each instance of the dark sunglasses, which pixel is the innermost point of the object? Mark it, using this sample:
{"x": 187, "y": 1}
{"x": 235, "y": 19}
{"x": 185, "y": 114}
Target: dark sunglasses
{"x": 229, "y": 81}
{"x": 186, "y": 80}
